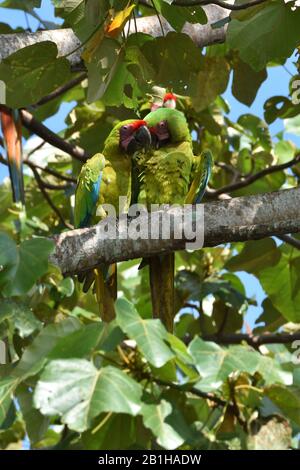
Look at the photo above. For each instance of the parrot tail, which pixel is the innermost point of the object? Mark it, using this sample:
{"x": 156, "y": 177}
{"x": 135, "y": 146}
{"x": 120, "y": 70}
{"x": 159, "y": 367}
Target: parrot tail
{"x": 12, "y": 133}
{"x": 106, "y": 291}
{"x": 161, "y": 269}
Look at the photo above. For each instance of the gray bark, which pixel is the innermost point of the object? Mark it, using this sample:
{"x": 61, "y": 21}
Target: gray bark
{"x": 66, "y": 40}
{"x": 238, "y": 219}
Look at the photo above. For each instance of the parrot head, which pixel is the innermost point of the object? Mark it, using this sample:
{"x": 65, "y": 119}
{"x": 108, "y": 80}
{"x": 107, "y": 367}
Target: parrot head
{"x": 160, "y": 134}
{"x": 169, "y": 101}
{"x": 134, "y": 135}
{"x": 167, "y": 125}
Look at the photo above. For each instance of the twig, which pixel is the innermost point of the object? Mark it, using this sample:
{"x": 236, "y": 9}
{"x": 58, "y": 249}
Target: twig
{"x": 253, "y": 340}
{"x": 35, "y": 149}
{"x": 48, "y": 199}
{"x": 33, "y": 125}
{"x": 251, "y": 178}
{"x": 219, "y": 3}
{"x": 207, "y": 396}
{"x": 290, "y": 240}
{"x": 62, "y": 89}
{"x": 69, "y": 179}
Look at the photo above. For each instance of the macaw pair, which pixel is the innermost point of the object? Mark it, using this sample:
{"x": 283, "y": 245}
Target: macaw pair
{"x": 150, "y": 161}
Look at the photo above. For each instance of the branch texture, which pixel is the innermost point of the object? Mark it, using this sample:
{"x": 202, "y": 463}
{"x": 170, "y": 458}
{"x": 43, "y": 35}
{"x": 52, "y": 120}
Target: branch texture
{"x": 237, "y": 219}
{"x": 66, "y": 41}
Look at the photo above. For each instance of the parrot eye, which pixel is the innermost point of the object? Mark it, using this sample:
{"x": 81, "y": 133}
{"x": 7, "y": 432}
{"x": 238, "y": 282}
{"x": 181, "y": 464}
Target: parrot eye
{"x": 162, "y": 125}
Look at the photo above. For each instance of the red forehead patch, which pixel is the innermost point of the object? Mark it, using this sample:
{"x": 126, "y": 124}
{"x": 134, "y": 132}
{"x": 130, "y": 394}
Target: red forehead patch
{"x": 169, "y": 96}
{"x": 138, "y": 123}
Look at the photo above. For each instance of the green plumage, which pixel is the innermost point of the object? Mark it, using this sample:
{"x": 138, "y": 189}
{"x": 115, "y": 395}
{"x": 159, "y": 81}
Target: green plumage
{"x": 103, "y": 178}
{"x": 170, "y": 175}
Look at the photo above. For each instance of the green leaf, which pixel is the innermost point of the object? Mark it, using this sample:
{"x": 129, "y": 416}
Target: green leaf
{"x": 78, "y": 392}
{"x": 246, "y": 82}
{"x": 259, "y": 38}
{"x": 282, "y": 285}
{"x": 215, "y": 364}
{"x": 78, "y": 344}
{"x": 177, "y": 16}
{"x": 33, "y": 72}
{"x": 150, "y": 335}
{"x": 7, "y": 386}
{"x": 33, "y": 263}
{"x": 20, "y": 317}
{"x": 292, "y": 125}
{"x": 36, "y": 424}
{"x": 272, "y": 433}
{"x": 154, "y": 419}
{"x": 9, "y": 259}
{"x": 21, "y": 5}
{"x": 36, "y": 353}
{"x": 287, "y": 399}
{"x": 284, "y": 151}
{"x": 118, "y": 432}
{"x": 211, "y": 81}
{"x": 255, "y": 256}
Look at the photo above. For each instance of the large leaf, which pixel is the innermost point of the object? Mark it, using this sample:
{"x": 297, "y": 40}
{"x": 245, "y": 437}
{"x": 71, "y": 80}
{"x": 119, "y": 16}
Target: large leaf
{"x": 287, "y": 399}
{"x": 6, "y": 389}
{"x": 150, "y": 335}
{"x": 33, "y": 72}
{"x": 259, "y": 38}
{"x": 9, "y": 259}
{"x": 215, "y": 363}
{"x": 255, "y": 256}
{"x": 154, "y": 418}
{"x": 34, "y": 357}
{"x": 33, "y": 263}
{"x": 211, "y": 81}
{"x": 246, "y": 82}
{"x": 21, "y": 5}
{"x": 282, "y": 284}
{"x": 78, "y": 392}
{"x": 19, "y": 317}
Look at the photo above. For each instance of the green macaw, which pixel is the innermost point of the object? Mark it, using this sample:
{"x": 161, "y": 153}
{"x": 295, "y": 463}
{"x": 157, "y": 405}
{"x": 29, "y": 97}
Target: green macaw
{"x": 102, "y": 179}
{"x": 169, "y": 174}
{"x": 12, "y": 136}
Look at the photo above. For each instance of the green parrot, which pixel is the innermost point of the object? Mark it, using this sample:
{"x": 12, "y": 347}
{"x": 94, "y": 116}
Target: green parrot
{"x": 103, "y": 178}
{"x": 169, "y": 173}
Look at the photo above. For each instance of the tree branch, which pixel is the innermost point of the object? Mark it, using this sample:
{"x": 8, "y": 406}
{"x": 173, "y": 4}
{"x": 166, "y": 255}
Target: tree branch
{"x": 252, "y": 178}
{"x": 49, "y": 200}
{"x": 237, "y": 219}
{"x": 62, "y": 89}
{"x": 220, "y": 3}
{"x": 253, "y": 340}
{"x": 66, "y": 41}
{"x": 33, "y": 125}
{"x": 290, "y": 240}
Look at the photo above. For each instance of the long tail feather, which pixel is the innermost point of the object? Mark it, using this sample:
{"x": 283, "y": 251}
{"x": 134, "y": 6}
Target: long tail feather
{"x": 106, "y": 292}
{"x": 201, "y": 178}
{"x": 162, "y": 288}
{"x": 12, "y": 133}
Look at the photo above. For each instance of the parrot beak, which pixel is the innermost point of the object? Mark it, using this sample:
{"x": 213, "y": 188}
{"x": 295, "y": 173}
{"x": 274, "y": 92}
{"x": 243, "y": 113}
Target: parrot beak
{"x": 142, "y": 138}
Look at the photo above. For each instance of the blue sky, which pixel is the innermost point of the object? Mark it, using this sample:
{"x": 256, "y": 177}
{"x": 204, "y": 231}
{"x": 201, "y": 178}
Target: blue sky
{"x": 276, "y": 84}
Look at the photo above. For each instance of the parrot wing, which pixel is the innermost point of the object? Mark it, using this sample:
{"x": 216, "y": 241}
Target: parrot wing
{"x": 87, "y": 191}
{"x": 202, "y": 171}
